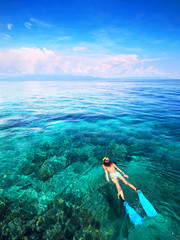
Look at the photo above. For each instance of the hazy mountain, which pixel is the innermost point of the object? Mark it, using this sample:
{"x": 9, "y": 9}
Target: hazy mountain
{"x": 45, "y": 77}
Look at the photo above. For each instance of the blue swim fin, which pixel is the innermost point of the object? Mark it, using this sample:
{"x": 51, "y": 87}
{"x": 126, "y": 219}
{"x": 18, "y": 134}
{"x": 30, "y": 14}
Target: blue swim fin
{"x": 133, "y": 215}
{"x": 147, "y": 206}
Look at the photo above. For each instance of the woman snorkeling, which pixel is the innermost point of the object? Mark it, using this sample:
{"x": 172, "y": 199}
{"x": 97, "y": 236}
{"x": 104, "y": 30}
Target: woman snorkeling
{"x": 111, "y": 168}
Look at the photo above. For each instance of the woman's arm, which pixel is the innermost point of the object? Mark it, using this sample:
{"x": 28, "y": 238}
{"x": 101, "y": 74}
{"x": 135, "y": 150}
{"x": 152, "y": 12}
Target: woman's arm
{"x": 106, "y": 172}
{"x": 121, "y": 171}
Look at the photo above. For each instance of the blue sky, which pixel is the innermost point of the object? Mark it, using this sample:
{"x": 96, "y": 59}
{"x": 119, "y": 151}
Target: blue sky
{"x": 90, "y": 37}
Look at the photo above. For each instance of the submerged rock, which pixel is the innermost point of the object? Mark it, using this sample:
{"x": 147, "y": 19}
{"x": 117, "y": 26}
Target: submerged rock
{"x": 14, "y": 229}
{"x": 1, "y": 191}
{"x": 26, "y": 167}
{"x": 55, "y": 232}
{"x": 51, "y": 166}
{"x": 89, "y": 234}
{"x": 2, "y": 205}
{"x": 45, "y": 174}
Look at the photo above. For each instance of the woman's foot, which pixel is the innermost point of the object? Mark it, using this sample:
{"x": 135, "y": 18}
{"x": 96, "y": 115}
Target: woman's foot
{"x": 119, "y": 195}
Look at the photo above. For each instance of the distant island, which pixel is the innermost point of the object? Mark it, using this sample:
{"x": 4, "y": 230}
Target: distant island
{"x": 46, "y": 77}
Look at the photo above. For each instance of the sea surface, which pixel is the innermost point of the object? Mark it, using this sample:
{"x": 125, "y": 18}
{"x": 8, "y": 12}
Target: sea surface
{"x": 53, "y": 137}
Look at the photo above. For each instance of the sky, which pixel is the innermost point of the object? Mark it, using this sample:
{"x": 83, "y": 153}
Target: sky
{"x": 99, "y": 38}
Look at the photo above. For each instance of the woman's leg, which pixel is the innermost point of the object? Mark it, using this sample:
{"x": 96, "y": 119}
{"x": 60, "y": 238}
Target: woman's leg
{"x": 119, "y": 190}
{"x": 126, "y": 182}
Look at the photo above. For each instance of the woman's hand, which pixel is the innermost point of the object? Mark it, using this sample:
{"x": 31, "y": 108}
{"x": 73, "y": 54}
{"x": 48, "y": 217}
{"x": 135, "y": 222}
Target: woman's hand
{"x": 107, "y": 180}
{"x": 126, "y": 176}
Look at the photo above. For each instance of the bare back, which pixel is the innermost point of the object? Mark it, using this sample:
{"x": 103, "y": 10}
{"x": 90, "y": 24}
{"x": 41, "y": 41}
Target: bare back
{"x": 110, "y": 169}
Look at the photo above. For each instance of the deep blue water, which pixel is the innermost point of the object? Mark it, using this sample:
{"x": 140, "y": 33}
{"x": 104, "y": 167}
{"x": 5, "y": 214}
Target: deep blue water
{"x": 53, "y": 136}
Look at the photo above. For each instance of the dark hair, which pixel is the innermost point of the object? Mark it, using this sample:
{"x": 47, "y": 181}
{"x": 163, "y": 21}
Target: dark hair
{"x": 107, "y": 164}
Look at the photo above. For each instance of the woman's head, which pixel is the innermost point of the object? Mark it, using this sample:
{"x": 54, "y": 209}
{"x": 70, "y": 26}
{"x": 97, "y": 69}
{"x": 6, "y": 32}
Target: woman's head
{"x": 106, "y": 161}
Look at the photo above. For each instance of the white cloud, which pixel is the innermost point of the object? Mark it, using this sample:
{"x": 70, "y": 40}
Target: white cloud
{"x": 9, "y": 25}
{"x": 28, "y": 25}
{"x": 131, "y": 49}
{"x": 63, "y": 38}
{"x": 35, "y": 22}
{"x": 37, "y": 61}
{"x": 44, "y": 24}
{"x": 4, "y": 36}
{"x": 149, "y": 71}
{"x": 80, "y": 49}
{"x": 159, "y": 41}
{"x": 152, "y": 60}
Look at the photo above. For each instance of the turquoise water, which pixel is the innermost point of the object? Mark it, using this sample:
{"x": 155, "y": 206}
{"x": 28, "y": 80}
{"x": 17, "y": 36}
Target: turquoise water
{"x": 53, "y": 136}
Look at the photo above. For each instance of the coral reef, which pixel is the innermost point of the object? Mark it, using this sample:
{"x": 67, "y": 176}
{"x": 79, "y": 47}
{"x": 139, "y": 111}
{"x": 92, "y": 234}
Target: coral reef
{"x": 60, "y": 221}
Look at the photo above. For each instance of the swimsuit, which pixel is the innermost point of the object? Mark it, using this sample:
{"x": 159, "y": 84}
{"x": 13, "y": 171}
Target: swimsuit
{"x": 116, "y": 174}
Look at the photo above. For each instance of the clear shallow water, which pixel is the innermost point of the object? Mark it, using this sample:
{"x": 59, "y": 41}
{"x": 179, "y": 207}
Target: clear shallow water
{"x": 53, "y": 136}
